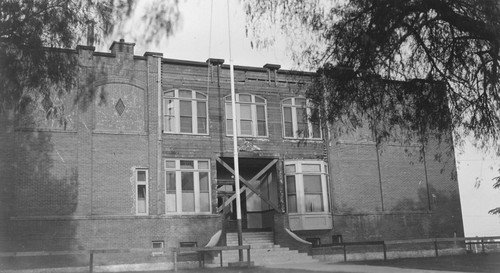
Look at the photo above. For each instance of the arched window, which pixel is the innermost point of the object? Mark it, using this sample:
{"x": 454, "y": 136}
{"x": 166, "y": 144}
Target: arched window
{"x": 296, "y": 122}
{"x": 185, "y": 112}
{"x": 251, "y": 115}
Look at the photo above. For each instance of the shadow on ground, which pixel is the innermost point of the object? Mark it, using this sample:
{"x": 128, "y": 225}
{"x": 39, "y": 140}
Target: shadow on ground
{"x": 483, "y": 262}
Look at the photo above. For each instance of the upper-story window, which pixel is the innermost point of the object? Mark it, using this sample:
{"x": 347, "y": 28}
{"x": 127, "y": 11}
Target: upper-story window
{"x": 296, "y": 122}
{"x": 185, "y": 112}
{"x": 251, "y": 115}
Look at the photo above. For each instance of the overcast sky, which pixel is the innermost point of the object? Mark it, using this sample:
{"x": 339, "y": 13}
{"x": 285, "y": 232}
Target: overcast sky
{"x": 198, "y": 39}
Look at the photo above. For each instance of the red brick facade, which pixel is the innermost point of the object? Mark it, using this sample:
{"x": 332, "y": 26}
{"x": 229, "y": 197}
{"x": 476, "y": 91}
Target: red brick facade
{"x": 76, "y": 186}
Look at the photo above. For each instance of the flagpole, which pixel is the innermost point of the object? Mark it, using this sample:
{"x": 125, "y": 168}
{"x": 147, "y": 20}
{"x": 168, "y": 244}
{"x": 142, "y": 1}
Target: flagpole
{"x": 235, "y": 143}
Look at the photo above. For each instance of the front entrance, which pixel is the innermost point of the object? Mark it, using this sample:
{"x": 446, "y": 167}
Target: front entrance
{"x": 259, "y": 192}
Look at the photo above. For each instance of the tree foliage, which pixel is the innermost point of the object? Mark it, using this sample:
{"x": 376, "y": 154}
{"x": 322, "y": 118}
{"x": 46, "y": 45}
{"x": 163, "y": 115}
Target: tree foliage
{"x": 451, "y": 46}
{"x": 455, "y": 42}
{"x": 32, "y": 32}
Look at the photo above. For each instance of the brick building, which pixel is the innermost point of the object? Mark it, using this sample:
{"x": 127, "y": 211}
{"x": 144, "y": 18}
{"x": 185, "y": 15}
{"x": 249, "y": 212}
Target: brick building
{"x": 149, "y": 161}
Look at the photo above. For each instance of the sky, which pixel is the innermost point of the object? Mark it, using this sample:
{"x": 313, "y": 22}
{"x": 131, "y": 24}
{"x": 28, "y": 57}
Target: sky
{"x": 202, "y": 34}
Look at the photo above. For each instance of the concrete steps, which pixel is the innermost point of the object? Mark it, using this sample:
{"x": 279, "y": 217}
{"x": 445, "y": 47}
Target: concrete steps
{"x": 263, "y": 251}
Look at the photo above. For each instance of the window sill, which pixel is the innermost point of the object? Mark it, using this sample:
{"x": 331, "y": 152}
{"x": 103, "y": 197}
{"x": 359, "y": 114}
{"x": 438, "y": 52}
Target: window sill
{"x": 302, "y": 139}
{"x": 184, "y": 134}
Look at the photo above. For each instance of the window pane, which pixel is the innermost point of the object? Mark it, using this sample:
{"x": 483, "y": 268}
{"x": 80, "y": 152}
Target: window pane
{"x": 316, "y": 131}
{"x": 259, "y": 100}
{"x": 141, "y": 191}
{"x": 187, "y": 164}
{"x": 313, "y": 202}
{"x": 290, "y": 184}
{"x": 203, "y": 165}
{"x": 171, "y": 202}
{"x": 292, "y": 203}
{"x": 187, "y": 181}
{"x": 246, "y": 127}
{"x": 228, "y": 98}
{"x": 311, "y": 168}
{"x": 170, "y": 181}
{"x": 170, "y": 124}
{"x": 202, "y": 109}
{"x": 261, "y": 127}
{"x": 169, "y": 93}
{"x": 202, "y": 125}
{"x": 185, "y": 108}
{"x": 290, "y": 168}
{"x": 188, "y": 202}
{"x": 200, "y": 95}
{"x": 229, "y": 126}
{"x": 245, "y": 112}
{"x": 141, "y": 198}
{"x": 287, "y": 101}
{"x": 312, "y": 184}
{"x": 204, "y": 202}
{"x": 300, "y": 102}
{"x": 169, "y": 107}
{"x": 245, "y": 98}
{"x": 141, "y": 176}
{"x": 185, "y": 93}
{"x": 302, "y": 126}
{"x": 261, "y": 112}
{"x": 203, "y": 181}
{"x": 229, "y": 111}
{"x": 170, "y": 164}
{"x": 186, "y": 124}
{"x": 287, "y": 113}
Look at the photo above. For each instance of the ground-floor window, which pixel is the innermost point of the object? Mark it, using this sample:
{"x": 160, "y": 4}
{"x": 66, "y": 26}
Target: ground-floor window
{"x": 187, "y": 186}
{"x": 141, "y": 181}
{"x": 306, "y": 186}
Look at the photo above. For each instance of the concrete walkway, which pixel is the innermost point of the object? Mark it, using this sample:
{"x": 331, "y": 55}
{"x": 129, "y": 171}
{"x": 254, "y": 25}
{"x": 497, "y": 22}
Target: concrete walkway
{"x": 332, "y": 267}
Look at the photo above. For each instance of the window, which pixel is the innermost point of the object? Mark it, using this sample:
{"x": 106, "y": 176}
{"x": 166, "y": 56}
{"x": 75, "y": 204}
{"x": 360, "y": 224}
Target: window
{"x": 251, "y": 116}
{"x": 185, "y": 112}
{"x": 337, "y": 239}
{"x": 314, "y": 241}
{"x": 296, "y": 123}
{"x": 188, "y": 244}
{"x": 306, "y": 187}
{"x": 142, "y": 200}
{"x": 187, "y": 186}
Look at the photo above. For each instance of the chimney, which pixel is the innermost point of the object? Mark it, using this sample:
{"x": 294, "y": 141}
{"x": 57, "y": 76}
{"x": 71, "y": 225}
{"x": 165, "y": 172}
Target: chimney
{"x": 122, "y": 48}
{"x": 90, "y": 33}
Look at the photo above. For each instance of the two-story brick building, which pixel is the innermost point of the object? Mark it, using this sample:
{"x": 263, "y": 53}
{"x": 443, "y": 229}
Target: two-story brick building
{"x": 149, "y": 161}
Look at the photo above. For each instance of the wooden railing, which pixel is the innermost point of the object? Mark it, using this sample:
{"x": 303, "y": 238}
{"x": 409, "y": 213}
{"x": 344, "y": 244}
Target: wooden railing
{"x": 434, "y": 241}
{"x": 157, "y": 251}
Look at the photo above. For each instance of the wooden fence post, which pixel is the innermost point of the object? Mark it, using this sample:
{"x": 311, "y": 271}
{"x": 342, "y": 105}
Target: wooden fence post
{"x": 91, "y": 262}
{"x": 345, "y": 254}
{"x": 385, "y": 252}
{"x": 436, "y": 247}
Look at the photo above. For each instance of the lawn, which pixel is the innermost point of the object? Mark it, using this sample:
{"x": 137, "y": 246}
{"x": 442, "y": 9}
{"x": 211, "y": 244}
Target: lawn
{"x": 483, "y": 262}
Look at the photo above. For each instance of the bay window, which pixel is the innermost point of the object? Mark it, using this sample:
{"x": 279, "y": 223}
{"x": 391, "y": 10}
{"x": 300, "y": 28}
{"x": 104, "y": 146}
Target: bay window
{"x": 306, "y": 186}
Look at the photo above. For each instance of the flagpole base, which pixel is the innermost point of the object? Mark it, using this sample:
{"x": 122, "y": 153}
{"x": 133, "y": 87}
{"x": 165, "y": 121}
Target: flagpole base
{"x": 240, "y": 239}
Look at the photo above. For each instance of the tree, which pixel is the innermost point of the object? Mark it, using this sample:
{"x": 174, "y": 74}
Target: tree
{"x": 32, "y": 32}
{"x": 452, "y": 46}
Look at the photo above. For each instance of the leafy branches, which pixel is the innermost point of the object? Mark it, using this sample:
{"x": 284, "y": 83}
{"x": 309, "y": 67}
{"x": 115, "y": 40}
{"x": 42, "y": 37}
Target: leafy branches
{"x": 454, "y": 42}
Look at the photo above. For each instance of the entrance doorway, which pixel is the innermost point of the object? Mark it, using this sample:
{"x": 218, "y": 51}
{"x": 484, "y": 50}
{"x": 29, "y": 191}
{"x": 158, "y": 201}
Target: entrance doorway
{"x": 259, "y": 192}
